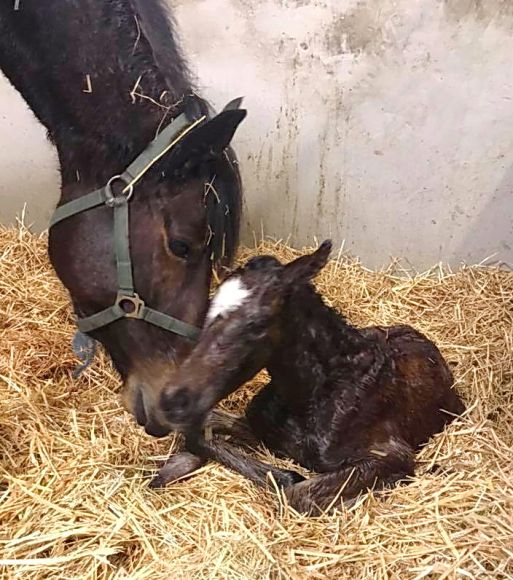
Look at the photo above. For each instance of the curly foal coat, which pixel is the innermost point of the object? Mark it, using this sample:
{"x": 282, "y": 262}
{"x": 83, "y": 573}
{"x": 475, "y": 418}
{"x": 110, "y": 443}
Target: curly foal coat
{"x": 351, "y": 404}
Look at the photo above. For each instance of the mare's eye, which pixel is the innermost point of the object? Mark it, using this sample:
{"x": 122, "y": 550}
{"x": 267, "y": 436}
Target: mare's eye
{"x": 179, "y": 248}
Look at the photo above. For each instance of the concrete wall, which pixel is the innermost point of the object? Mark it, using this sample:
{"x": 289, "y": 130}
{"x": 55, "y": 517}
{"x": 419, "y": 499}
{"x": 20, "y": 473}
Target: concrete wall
{"x": 384, "y": 123}
{"x": 28, "y": 163}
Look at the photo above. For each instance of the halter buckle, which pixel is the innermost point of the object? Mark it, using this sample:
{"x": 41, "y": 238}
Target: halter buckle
{"x": 131, "y": 305}
{"x": 124, "y": 196}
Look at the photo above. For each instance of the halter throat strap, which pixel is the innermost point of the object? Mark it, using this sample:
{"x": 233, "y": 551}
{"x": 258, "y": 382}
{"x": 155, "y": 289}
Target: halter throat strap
{"x": 128, "y": 304}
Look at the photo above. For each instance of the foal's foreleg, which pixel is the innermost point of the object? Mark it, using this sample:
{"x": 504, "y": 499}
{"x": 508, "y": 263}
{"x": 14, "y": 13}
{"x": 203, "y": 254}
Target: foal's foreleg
{"x": 218, "y": 449}
{"x": 177, "y": 467}
{"x": 183, "y": 464}
{"x": 327, "y": 490}
{"x": 236, "y": 426}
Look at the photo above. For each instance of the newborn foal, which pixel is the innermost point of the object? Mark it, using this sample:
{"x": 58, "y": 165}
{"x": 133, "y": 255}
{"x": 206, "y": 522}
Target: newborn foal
{"x": 350, "y": 404}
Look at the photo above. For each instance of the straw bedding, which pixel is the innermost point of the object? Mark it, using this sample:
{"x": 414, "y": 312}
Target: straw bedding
{"x": 74, "y": 467}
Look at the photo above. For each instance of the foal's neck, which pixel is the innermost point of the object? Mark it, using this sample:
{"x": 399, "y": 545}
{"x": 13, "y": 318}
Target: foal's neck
{"x": 315, "y": 340}
{"x": 90, "y": 74}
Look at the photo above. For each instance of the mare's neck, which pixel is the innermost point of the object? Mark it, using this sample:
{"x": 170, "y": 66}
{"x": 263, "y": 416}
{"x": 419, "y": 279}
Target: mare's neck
{"x": 315, "y": 343}
{"x": 89, "y": 73}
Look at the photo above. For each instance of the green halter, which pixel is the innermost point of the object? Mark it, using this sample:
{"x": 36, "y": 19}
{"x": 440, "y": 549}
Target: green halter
{"x": 128, "y": 304}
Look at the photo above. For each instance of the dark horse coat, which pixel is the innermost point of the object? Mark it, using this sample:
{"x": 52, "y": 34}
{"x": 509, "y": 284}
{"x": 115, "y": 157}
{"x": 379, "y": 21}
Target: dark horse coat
{"x": 351, "y": 404}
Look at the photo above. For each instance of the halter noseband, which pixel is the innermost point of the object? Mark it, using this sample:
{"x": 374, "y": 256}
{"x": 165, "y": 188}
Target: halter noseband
{"x": 128, "y": 304}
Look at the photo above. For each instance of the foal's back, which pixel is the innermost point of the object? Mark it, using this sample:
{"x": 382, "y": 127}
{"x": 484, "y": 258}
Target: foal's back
{"x": 413, "y": 395}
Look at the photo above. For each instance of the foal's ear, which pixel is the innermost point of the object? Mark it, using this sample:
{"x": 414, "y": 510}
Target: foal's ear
{"x": 305, "y": 268}
{"x": 205, "y": 143}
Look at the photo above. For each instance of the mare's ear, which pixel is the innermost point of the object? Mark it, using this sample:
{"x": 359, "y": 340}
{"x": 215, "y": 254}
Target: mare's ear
{"x": 305, "y": 268}
{"x": 205, "y": 143}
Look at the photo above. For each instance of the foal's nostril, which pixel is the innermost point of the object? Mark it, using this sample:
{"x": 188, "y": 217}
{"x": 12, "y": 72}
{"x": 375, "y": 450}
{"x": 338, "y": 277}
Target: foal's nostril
{"x": 175, "y": 403}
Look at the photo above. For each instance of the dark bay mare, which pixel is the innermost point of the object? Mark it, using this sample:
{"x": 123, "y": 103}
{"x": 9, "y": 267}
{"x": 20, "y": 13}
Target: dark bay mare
{"x": 136, "y": 253}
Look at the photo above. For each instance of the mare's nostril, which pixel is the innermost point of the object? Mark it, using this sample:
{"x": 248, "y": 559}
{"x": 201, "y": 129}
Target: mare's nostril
{"x": 140, "y": 413}
{"x": 155, "y": 429}
{"x": 175, "y": 403}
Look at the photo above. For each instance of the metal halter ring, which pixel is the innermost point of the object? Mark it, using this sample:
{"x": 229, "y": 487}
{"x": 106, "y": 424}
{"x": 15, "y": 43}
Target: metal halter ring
{"x": 131, "y": 305}
{"x": 112, "y": 199}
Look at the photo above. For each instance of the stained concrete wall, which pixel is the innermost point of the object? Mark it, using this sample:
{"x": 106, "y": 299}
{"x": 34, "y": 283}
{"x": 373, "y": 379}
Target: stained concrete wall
{"x": 385, "y": 123}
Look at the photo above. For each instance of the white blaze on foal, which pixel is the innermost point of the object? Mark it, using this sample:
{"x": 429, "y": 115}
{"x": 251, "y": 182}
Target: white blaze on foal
{"x": 228, "y": 298}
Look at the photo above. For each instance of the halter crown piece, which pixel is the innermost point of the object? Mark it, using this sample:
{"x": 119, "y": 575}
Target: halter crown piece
{"x": 128, "y": 304}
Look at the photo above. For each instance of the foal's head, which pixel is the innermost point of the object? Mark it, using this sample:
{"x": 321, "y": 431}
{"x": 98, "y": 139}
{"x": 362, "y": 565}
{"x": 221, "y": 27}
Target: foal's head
{"x": 184, "y": 219}
{"x": 242, "y": 328}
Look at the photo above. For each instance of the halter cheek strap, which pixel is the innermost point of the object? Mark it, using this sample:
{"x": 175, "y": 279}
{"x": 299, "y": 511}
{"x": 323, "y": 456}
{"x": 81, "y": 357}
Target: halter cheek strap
{"x": 128, "y": 304}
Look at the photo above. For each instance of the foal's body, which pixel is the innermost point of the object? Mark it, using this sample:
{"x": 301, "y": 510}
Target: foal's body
{"x": 349, "y": 392}
{"x": 351, "y": 404}
{"x": 355, "y": 410}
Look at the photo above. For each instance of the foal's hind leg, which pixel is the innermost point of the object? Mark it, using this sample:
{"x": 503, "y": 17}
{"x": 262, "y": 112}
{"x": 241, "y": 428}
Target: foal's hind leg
{"x": 383, "y": 466}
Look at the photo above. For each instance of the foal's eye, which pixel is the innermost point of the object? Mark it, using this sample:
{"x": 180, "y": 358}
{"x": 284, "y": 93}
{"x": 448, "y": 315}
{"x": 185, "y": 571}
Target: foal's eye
{"x": 179, "y": 248}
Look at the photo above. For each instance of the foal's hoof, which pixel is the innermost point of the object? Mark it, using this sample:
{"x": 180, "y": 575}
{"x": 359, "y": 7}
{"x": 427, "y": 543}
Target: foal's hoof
{"x": 177, "y": 467}
{"x": 299, "y": 500}
{"x": 158, "y": 482}
{"x": 286, "y": 478}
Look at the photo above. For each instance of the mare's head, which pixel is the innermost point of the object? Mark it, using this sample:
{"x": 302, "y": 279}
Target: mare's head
{"x": 183, "y": 221}
{"x": 242, "y": 328}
